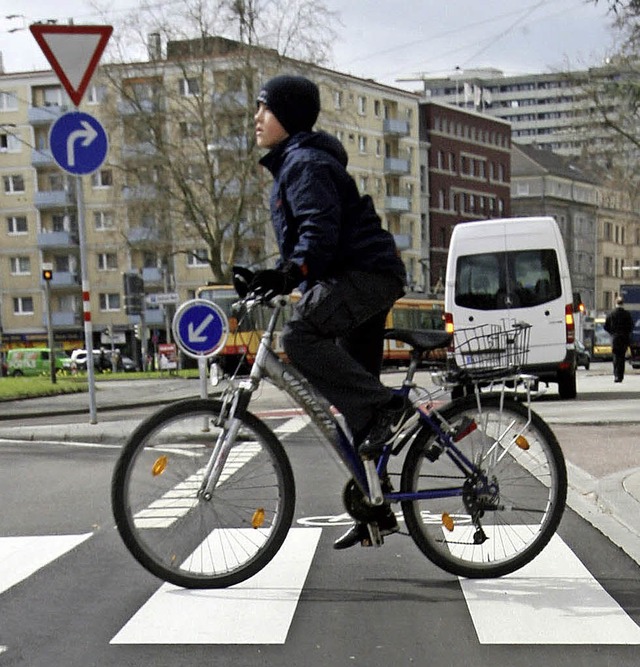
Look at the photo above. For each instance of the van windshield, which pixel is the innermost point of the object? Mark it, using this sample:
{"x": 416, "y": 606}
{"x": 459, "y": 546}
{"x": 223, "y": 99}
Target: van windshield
{"x": 498, "y": 280}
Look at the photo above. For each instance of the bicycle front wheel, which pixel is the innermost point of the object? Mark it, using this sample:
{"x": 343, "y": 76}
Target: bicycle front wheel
{"x": 498, "y": 519}
{"x": 167, "y": 524}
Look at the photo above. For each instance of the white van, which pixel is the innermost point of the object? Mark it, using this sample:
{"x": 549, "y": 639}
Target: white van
{"x": 515, "y": 270}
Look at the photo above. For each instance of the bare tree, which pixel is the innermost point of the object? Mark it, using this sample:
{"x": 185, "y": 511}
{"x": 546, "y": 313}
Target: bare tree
{"x": 185, "y": 109}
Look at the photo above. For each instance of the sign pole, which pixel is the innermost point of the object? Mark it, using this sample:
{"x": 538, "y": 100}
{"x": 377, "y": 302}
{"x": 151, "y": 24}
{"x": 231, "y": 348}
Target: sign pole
{"x": 86, "y": 301}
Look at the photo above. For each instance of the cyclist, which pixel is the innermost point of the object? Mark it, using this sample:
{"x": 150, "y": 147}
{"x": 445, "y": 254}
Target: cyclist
{"x": 332, "y": 247}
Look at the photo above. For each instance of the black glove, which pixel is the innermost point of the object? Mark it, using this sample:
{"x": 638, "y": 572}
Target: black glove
{"x": 271, "y": 282}
{"x": 242, "y": 279}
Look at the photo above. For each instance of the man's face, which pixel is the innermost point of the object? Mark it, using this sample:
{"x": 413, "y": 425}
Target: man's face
{"x": 269, "y": 132}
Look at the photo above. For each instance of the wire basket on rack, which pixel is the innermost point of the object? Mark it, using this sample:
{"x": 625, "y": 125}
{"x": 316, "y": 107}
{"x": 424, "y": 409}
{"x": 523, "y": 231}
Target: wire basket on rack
{"x": 491, "y": 348}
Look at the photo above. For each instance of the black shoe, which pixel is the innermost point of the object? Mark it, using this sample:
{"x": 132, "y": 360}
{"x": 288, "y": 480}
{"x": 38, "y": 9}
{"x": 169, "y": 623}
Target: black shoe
{"x": 389, "y": 421}
{"x": 359, "y": 533}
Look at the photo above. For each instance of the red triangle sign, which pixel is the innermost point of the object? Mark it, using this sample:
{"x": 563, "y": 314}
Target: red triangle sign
{"x": 73, "y": 51}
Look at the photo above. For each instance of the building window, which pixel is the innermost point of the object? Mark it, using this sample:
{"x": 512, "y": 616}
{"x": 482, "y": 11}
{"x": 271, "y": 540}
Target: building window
{"x": 362, "y": 105}
{"x": 362, "y": 144}
{"x": 198, "y": 257}
{"x": 20, "y": 266}
{"x": 363, "y": 182}
{"x": 109, "y": 301}
{"x": 102, "y": 178}
{"x": 13, "y": 183}
{"x": 17, "y": 225}
{"x": 441, "y": 199}
{"x": 107, "y": 261}
{"x": 23, "y": 305}
{"x": 9, "y": 143}
{"x": 337, "y": 99}
{"x": 376, "y": 108}
{"x": 103, "y": 220}
{"x": 8, "y": 101}
{"x": 378, "y": 148}
{"x": 189, "y": 86}
{"x": 95, "y": 94}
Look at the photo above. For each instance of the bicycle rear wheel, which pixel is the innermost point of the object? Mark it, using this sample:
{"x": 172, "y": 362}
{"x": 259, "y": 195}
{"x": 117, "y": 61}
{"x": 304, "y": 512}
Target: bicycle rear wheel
{"x": 182, "y": 537}
{"x": 517, "y": 509}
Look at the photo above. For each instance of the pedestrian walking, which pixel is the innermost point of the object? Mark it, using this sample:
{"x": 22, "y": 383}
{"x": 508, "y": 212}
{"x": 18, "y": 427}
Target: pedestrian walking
{"x": 619, "y": 324}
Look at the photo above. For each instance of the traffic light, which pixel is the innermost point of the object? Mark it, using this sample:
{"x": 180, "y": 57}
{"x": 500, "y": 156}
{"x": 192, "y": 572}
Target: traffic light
{"x": 133, "y": 293}
{"x": 47, "y": 274}
{"x": 136, "y": 331}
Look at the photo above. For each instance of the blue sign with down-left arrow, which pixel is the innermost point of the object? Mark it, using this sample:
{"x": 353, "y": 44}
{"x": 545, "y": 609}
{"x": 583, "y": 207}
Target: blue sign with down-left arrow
{"x": 200, "y": 328}
{"x": 78, "y": 143}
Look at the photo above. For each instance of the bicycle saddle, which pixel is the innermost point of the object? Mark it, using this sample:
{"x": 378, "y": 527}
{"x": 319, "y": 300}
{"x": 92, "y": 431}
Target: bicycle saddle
{"x": 422, "y": 340}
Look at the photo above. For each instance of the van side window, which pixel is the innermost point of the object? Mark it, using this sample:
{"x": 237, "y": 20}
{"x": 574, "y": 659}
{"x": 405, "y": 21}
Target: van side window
{"x": 519, "y": 279}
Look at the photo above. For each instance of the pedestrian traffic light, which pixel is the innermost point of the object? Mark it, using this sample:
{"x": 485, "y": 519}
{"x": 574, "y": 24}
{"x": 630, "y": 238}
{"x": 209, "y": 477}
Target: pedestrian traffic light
{"x": 47, "y": 274}
{"x": 136, "y": 331}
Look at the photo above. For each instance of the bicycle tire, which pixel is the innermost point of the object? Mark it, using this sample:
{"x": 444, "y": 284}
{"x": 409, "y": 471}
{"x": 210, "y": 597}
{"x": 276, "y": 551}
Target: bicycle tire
{"x": 519, "y": 522}
{"x": 184, "y": 539}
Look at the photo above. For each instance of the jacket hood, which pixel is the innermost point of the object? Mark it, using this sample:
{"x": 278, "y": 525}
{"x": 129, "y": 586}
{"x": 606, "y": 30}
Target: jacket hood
{"x": 321, "y": 141}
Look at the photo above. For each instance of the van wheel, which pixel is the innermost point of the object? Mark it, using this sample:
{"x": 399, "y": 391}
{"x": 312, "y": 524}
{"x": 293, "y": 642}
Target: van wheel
{"x": 567, "y": 387}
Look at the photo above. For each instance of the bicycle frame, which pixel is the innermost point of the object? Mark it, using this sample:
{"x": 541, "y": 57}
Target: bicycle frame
{"x": 285, "y": 377}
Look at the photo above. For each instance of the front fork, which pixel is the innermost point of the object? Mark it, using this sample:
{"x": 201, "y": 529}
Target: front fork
{"x": 224, "y": 443}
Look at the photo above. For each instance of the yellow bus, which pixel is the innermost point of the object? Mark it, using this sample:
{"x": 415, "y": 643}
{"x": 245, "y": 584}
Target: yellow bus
{"x": 412, "y": 311}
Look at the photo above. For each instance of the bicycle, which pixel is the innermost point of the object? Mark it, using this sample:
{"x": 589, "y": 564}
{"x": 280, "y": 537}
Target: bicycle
{"x": 203, "y": 492}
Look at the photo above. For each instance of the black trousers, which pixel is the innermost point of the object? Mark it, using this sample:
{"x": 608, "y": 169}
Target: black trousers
{"x": 335, "y": 339}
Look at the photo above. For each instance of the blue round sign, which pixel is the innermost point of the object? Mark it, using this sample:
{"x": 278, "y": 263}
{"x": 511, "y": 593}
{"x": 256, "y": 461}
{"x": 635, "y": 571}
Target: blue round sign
{"x": 200, "y": 328}
{"x": 78, "y": 143}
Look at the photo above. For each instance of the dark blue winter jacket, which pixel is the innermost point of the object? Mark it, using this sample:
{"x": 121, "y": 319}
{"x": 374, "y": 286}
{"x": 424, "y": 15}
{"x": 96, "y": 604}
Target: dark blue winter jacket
{"x": 320, "y": 220}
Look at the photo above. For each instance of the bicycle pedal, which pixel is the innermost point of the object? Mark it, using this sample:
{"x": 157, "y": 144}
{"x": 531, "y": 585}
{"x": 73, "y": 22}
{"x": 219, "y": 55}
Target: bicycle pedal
{"x": 375, "y": 537}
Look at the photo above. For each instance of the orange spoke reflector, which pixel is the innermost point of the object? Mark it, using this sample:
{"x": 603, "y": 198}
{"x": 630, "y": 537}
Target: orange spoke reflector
{"x": 258, "y": 518}
{"x": 522, "y": 442}
{"x": 159, "y": 466}
{"x": 447, "y": 522}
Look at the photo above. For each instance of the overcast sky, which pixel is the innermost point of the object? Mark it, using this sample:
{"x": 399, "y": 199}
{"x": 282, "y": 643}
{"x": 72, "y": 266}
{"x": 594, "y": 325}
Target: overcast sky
{"x": 391, "y": 40}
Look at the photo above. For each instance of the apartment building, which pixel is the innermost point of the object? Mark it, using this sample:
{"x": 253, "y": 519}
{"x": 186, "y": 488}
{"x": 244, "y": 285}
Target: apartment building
{"x": 133, "y": 222}
{"x": 543, "y": 109}
{"x": 468, "y": 172}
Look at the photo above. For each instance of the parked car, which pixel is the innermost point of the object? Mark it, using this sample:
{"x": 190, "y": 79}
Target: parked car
{"x": 78, "y": 360}
{"x": 583, "y": 358}
{"x": 127, "y": 364}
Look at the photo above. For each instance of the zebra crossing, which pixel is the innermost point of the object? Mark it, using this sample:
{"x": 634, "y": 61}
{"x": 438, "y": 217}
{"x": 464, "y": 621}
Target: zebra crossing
{"x": 554, "y": 600}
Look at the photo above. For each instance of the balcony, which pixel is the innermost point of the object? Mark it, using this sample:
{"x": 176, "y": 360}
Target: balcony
{"x": 151, "y": 275}
{"x": 65, "y": 319}
{"x": 42, "y": 158}
{"x": 403, "y": 241}
{"x": 45, "y": 115}
{"x": 57, "y": 239}
{"x": 129, "y": 108}
{"x": 396, "y": 165}
{"x": 53, "y": 199}
{"x": 396, "y": 127}
{"x": 143, "y": 235}
{"x": 137, "y": 151}
{"x": 141, "y": 192}
{"x": 397, "y": 204}
{"x": 64, "y": 279}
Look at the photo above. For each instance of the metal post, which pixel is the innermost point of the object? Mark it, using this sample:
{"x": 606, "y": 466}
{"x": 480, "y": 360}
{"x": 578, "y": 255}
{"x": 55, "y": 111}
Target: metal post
{"x": 52, "y": 354}
{"x": 86, "y": 301}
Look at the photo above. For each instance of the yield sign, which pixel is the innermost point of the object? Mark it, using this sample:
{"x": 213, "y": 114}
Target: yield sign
{"x": 73, "y": 51}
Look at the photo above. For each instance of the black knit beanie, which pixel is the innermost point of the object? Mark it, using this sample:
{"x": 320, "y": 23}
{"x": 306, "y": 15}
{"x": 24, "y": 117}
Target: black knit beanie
{"x": 294, "y": 101}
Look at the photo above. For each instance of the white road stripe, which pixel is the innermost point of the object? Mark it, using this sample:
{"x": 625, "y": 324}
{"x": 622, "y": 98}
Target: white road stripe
{"x": 257, "y": 611}
{"x": 552, "y": 600}
{"x": 293, "y": 425}
{"x": 20, "y": 557}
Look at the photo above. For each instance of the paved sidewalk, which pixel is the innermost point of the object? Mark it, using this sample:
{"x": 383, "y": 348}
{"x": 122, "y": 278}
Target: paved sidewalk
{"x": 599, "y": 435}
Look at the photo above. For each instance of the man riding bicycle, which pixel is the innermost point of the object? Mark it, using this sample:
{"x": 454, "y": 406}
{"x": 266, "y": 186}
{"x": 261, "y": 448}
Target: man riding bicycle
{"x": 332, "y": 247}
